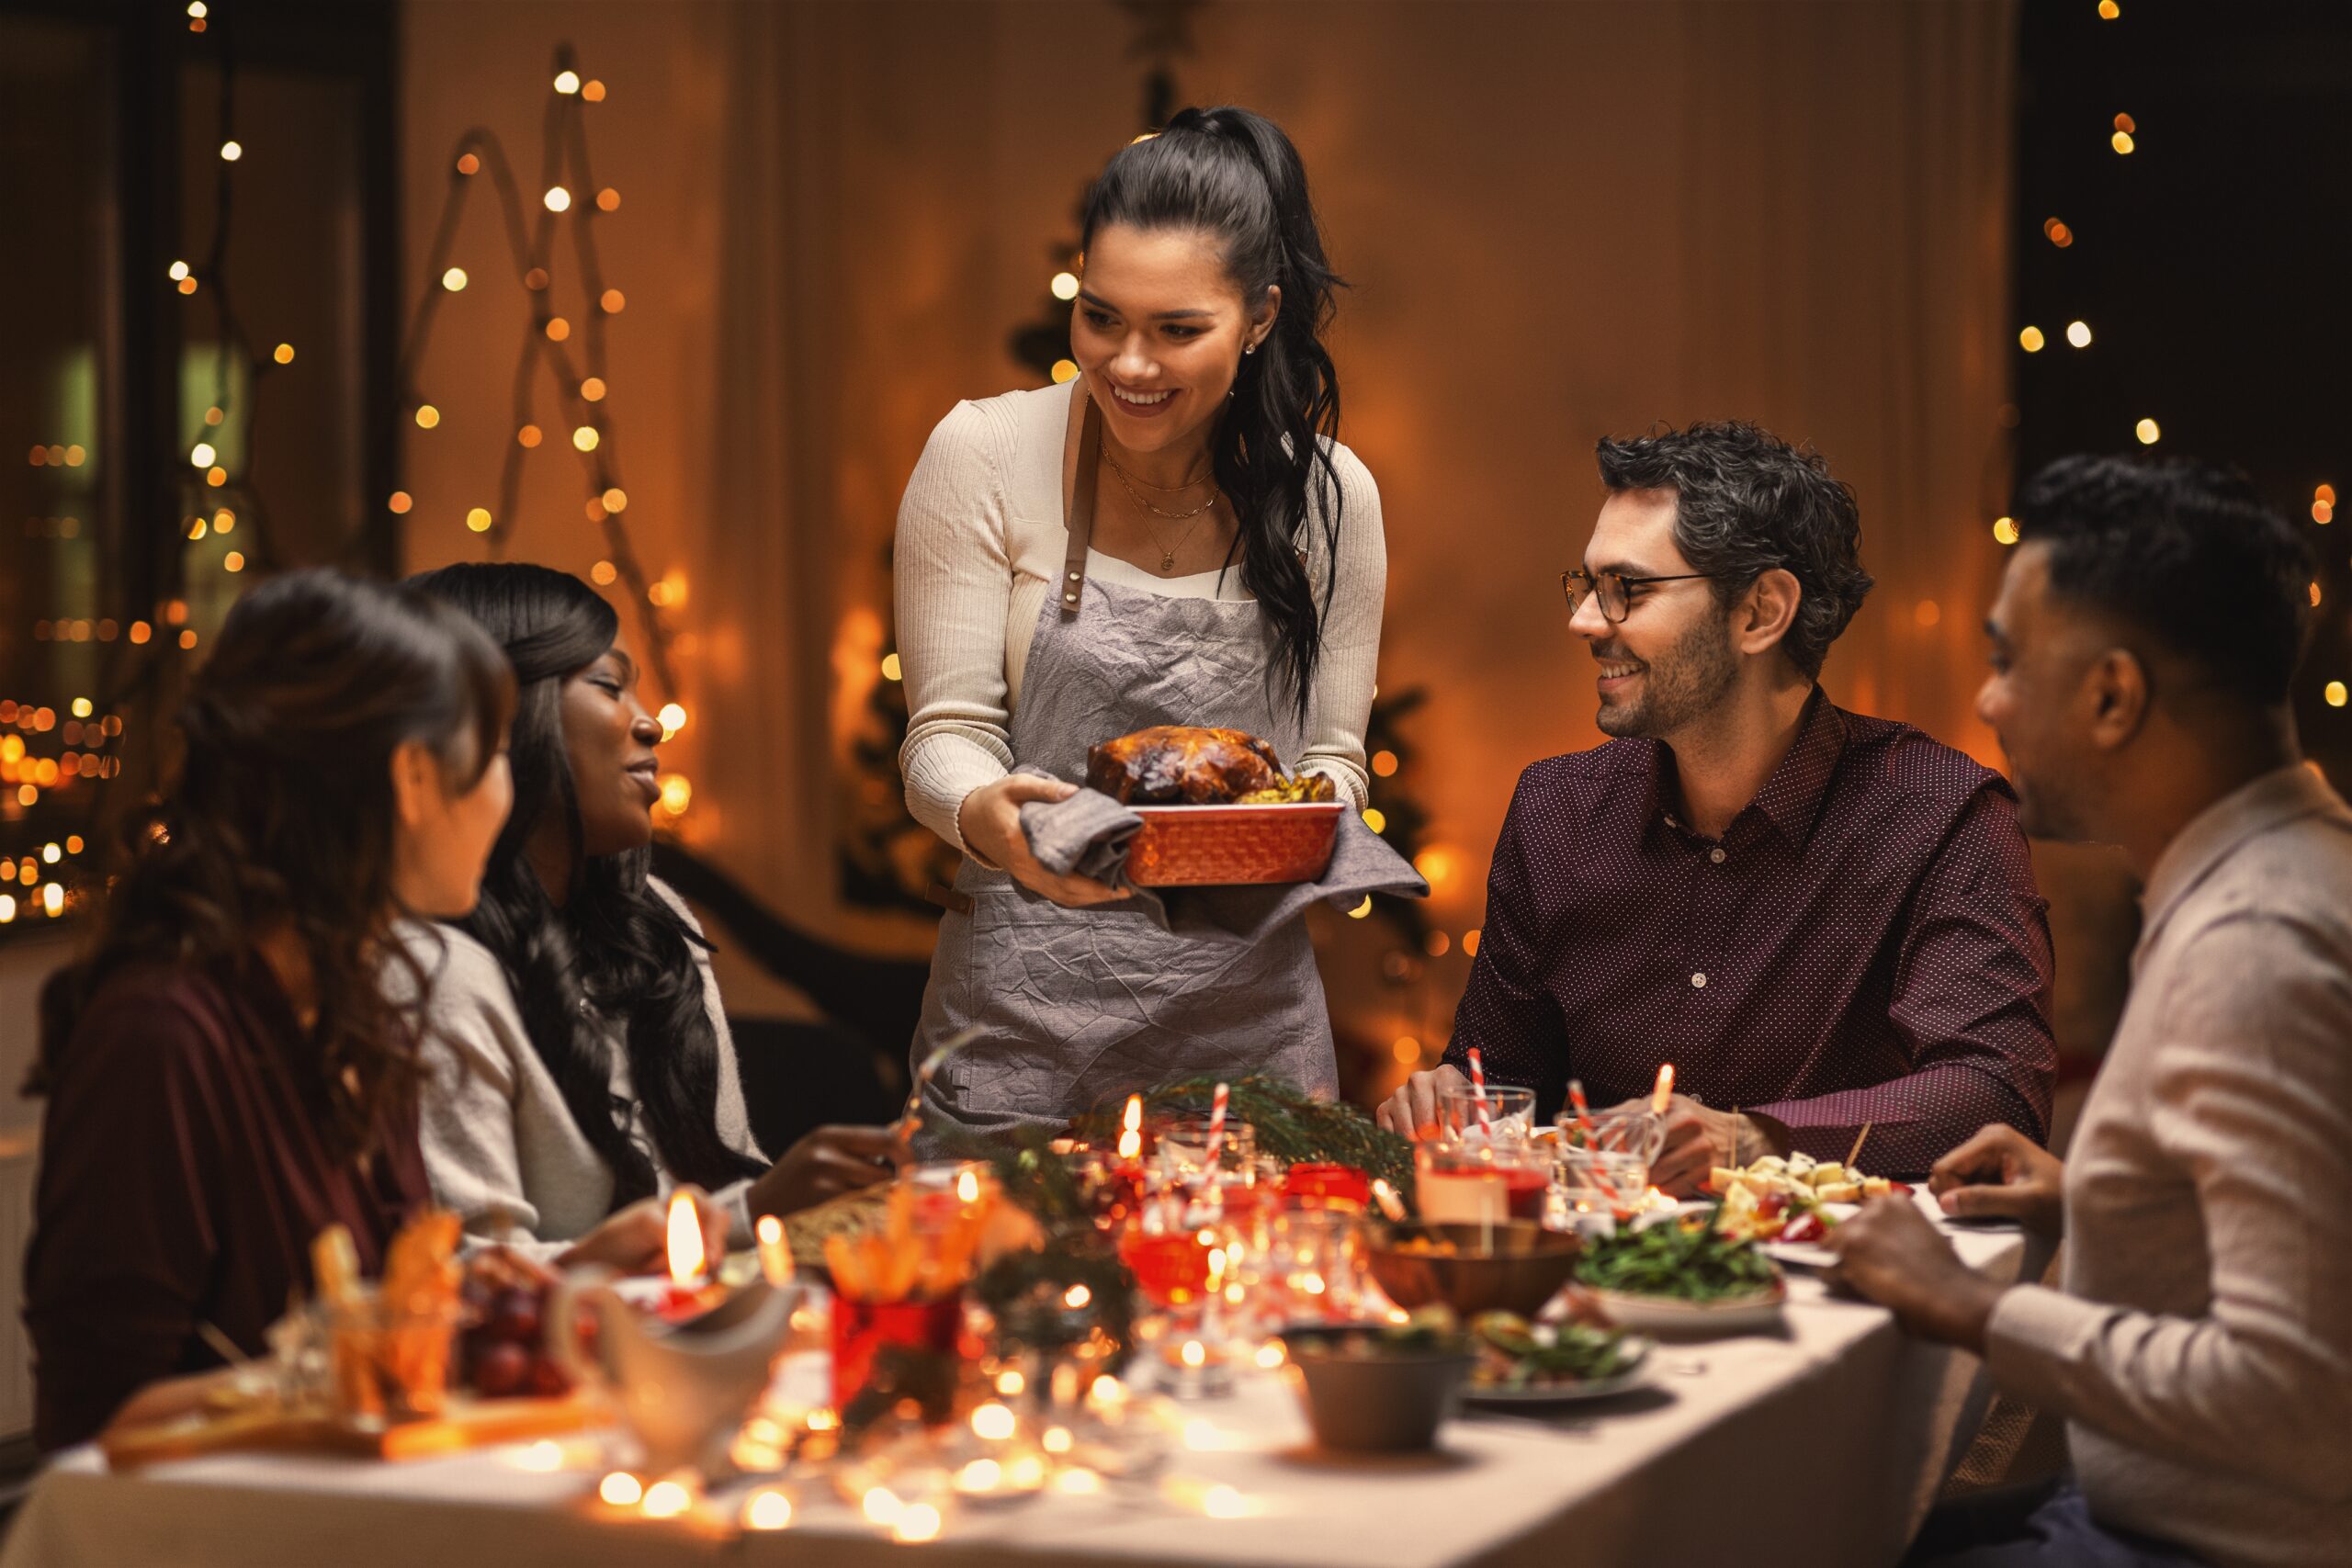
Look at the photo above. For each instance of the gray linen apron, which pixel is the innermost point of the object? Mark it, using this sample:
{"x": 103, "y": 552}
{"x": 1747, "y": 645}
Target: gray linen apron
{"x": 1080, "y": 1006}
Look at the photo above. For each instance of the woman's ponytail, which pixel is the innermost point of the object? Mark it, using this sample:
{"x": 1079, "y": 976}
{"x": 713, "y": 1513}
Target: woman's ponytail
{"x": 1234, "y": 175}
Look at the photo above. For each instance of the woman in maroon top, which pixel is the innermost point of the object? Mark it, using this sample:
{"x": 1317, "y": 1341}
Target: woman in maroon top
{"x": 224, "y": 1077}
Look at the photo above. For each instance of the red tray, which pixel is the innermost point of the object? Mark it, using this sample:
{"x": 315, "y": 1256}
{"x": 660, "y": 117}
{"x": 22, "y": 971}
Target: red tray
{"x": 1197, "y": 846}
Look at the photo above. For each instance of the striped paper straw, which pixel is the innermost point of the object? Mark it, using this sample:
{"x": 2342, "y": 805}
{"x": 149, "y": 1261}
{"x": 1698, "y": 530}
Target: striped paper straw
{"x": 1216, "y": 1139}
{"x": 1479, "y": 1092}
{"x": 1584, "y": 1111}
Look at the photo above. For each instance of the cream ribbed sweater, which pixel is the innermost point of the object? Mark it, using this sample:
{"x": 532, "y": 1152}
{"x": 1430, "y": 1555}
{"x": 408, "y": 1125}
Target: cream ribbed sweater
{"x": 980, "y": 541}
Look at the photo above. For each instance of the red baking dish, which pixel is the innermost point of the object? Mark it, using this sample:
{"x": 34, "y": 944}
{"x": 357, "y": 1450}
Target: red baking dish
{"x": 1199, "y": 846}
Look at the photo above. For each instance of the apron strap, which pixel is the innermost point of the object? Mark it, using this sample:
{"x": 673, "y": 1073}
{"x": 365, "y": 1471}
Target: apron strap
{"x": 1084, "y": 442}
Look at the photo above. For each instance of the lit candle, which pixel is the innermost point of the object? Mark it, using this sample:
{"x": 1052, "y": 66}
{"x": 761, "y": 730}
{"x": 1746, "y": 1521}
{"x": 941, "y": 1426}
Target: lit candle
{"x": 775, "y": 1257}
{"x": 688, "y": 1294}
{"x": 1385, "y": 1196}
{"x": 1664, "y": 1092}
{"x": 687, "y": 1258}
{"x": 1131, "y": 1139}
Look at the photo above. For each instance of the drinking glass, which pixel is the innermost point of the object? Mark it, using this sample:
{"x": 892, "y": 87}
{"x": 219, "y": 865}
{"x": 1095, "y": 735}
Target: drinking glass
{"x": 1467, "y": 1179}
{"x": 1599, "y": 1187}
{"x": 1511, "y": 1111}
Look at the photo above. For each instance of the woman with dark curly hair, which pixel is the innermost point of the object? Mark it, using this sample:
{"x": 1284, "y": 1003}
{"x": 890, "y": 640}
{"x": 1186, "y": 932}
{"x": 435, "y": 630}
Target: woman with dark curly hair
{"x": 581, "y": 1063}
{"x": 1175, "y": 536}
{"x": 225, "y": 1077}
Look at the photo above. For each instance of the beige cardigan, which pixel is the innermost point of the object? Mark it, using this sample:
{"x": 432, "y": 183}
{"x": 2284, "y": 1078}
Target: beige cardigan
{"x": 500, "y": 1147}
{"x": 2201, "y": 1345}
{"x": 980, "y": 542}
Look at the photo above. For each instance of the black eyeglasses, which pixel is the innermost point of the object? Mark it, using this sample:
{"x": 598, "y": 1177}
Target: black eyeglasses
{"x": 1577, "y": 585}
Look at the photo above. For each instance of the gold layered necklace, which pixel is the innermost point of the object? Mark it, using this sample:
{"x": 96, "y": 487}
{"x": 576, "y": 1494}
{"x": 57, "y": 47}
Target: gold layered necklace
{"x": 1167, "y": 551}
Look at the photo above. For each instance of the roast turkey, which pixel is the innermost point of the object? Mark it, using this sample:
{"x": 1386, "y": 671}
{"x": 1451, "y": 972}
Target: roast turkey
{"x": 1172, "y": 764}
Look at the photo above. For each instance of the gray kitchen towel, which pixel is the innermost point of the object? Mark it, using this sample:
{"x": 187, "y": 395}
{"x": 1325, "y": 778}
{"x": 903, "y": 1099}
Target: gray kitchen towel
{"x": 1090, "y": 833}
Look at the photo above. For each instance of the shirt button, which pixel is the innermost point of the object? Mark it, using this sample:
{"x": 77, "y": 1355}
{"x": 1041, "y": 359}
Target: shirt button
{"x": 1670, "y": 821}
{"x": 1699, "y": 981}
{"x": 1716, "y": 856}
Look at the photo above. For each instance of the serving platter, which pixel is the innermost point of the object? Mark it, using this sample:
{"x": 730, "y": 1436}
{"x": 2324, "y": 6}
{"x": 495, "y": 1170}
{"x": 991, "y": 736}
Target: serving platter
{"x": 1635, "y": 1376}
{"x": 1666, "y": 1316}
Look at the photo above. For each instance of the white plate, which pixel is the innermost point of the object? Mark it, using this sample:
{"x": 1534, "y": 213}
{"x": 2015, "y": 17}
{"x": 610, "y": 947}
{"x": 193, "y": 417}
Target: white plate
{"x": 1632, "y": 1377}
{"x": 1810, "y": 1254}
{"x": 1666, "y": 1315}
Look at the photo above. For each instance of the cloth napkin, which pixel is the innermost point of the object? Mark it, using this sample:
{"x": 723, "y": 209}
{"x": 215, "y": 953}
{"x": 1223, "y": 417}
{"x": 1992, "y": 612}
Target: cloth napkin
{"x": 1089, "y": 835}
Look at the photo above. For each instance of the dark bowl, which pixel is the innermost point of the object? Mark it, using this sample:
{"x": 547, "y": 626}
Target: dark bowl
{"x": 1514, "y": 1267}
{"x": 1378, "y": 1402}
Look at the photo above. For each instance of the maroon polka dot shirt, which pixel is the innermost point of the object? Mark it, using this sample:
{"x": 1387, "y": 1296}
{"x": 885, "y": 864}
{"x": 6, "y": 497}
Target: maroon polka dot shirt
{"x": 1864, "y": 943}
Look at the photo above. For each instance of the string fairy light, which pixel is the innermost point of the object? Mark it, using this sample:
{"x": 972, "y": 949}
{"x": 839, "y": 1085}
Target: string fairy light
{"x": 214, "y": 490}
{"x": 570, "y": 351}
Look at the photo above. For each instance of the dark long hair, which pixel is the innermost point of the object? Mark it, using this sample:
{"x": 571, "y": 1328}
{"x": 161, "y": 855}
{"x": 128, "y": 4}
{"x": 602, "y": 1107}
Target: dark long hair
{"x": 613, "y": 945}
{"x": 281, "y": 815}
{"x": 1234, "y": 174}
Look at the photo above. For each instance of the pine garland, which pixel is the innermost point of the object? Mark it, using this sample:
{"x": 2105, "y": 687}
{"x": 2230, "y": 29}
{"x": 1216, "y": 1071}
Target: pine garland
{"x": 1293, "y": 1127}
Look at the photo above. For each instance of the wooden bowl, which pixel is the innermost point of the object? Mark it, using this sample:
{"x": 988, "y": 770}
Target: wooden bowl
{"x": 1514, "y": 1267}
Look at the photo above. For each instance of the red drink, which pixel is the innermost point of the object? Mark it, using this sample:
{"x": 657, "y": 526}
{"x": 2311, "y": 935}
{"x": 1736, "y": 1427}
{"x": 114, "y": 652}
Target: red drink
{"x": 1473, "y": 1191}
{"x": 862, "y": 1330}
{"x": 1327, "y": 1186}
{"x": 1172, "y": 1267}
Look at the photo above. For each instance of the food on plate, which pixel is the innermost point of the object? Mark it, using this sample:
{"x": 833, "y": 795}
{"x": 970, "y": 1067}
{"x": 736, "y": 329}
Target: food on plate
{"x": 503, "y": 1345}
{"x": 1428, "y": 1330}
{"x": 1687, "y": 1259}
{"x": 1799, "y": 1178}
{"x": 1517, "y": 1355}
{"x": 1174, "y": 764}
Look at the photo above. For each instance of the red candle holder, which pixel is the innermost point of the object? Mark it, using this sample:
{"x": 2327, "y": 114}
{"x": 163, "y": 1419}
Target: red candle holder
{"x": 864, "y": 1331}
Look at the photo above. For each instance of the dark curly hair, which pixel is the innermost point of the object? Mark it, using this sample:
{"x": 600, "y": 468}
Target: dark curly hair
{"x": 613, "y": 945}
{"x": 1747, "y": 501}
{"x": 280, "y": 814}
{"x": 2185, "y": 553}
{"x": 1234, "y": 174}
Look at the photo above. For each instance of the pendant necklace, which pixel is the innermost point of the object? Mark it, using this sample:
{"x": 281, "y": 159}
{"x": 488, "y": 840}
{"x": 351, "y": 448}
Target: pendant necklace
{"x": 1167, "y": 551}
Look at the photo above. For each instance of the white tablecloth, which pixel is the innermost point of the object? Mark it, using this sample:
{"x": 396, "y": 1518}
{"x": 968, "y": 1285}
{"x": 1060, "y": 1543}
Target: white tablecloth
{"x": 1820, "y": 1444}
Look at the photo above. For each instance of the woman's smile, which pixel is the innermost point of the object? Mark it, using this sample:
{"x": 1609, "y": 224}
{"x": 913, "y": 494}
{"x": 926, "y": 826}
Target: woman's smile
{"x": 1142, "y": 403}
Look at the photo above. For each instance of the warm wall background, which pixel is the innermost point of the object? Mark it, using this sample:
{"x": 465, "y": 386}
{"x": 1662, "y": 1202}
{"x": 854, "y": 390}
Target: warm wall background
{"x": 1560, "y": 220}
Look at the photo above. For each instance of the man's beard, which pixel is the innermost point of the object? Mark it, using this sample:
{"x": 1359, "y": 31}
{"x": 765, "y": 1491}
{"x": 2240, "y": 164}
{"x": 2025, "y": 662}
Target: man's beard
{"x": 1692, "y": 676}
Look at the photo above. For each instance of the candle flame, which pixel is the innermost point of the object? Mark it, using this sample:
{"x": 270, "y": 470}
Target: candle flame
{"x": 1130, "y": 1137}
{"x": 1665, "y": 1091}
{"x": 775, "y": 1257}
{"x": 967, "y": 1188}
{"x": 687, "y": 1258}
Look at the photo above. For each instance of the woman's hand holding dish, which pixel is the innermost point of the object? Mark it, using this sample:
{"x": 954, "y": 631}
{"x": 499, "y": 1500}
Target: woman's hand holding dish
{"x": 990, "y": 822}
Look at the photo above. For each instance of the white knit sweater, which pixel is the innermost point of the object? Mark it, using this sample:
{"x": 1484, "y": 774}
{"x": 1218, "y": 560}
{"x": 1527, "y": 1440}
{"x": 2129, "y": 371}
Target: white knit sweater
{"x": 980, "y": 543}
{"x": 501, "y": 1148}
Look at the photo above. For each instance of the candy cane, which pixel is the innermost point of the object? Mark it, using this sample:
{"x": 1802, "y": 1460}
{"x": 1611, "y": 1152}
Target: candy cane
{"x": 1478, "y": 1093}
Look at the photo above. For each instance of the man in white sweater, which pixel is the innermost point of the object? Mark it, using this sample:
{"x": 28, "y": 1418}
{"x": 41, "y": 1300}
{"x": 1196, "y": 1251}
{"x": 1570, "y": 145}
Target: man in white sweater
{"x": 2200, "y": 1345}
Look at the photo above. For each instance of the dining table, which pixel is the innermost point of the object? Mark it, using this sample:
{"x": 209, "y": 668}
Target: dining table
{"x": 1820, "y": 1439}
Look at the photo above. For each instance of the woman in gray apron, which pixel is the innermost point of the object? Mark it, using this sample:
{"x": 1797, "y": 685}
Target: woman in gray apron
{"x": 1173, "y": 536}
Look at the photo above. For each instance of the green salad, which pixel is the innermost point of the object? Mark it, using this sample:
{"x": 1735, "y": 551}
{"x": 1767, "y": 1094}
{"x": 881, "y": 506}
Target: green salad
{"x": 1689, "y": 1262}
{"x": 1516, "y": 1354}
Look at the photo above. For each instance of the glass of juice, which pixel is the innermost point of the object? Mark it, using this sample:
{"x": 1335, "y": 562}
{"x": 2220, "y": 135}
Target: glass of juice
{"x": 1469, "y": 1180}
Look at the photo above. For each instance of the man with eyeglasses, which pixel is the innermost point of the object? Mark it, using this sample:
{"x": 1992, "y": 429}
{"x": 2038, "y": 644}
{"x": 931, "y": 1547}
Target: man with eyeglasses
{"x": 1826, "y": 922}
